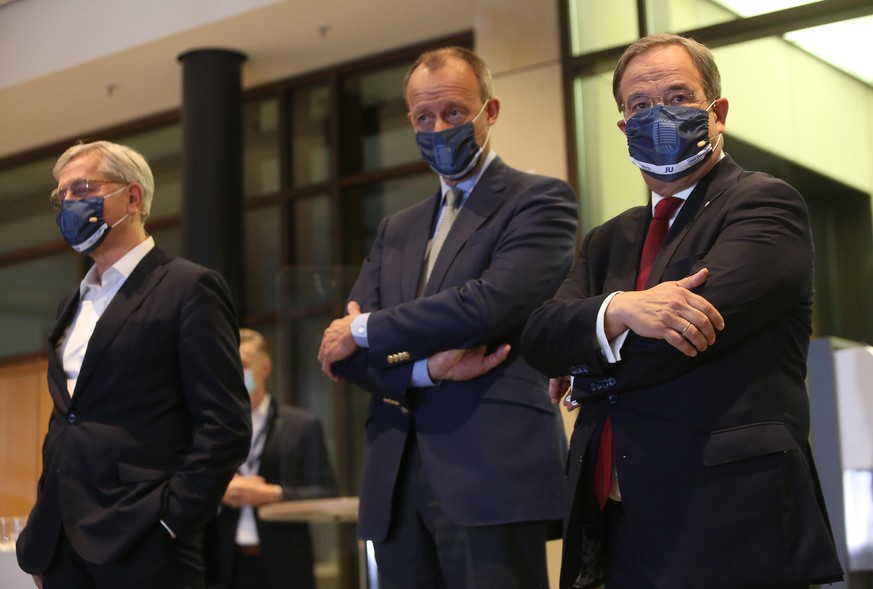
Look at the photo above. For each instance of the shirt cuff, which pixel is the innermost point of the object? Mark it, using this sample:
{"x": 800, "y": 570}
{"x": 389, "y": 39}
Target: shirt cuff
{"x": 611, "y": 349}
{"x": 420, "y": 375}
{"x": 166, "y": 527}
{"x": 359, "y": 330}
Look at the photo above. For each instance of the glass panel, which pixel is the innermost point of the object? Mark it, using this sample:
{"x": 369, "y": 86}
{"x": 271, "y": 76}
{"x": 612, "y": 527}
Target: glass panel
{"x": 310, "y": 135}
{"x": 681, "y": 15}
{"x": 29, "y": 300}
{"x": 310, "y": 297}
{"x": 162, "y": 149}
{"x": 363, "y": 207}
{"x": 846, "y": 45}
{"x": 261, "y": 147}
{"x": 598, "y": 25}
{"x": 311, "y": 235}
{"x": 28, "y": 219}
{"x": 262, "y": 258}
{"x": 375, "y": 128}
{"x": 604, "y": 167}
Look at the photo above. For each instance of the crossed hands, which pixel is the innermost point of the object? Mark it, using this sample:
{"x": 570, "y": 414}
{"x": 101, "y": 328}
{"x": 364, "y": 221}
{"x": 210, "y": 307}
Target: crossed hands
{"x": 337, "y": 344}
{"x": 668, "y": 311}
{"x": 250, "y": 491}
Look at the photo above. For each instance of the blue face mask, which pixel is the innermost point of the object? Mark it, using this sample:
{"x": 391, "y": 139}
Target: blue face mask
{"x": 669, "y": 142}
{"x": 249, "y": 379}
{"x": 82, "y": 224}
{"x": 452, "y": 152}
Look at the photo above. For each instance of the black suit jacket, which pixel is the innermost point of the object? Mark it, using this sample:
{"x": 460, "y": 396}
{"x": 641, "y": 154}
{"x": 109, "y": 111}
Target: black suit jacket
{"x": 714, "y": 466}
{"x": 491, "y": 447}
{"x": 157, "y": 424}
{"x": 295, "y": 458}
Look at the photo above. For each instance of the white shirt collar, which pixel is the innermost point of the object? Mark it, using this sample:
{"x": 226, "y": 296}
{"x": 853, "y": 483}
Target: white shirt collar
{"x": 119, "y": 271}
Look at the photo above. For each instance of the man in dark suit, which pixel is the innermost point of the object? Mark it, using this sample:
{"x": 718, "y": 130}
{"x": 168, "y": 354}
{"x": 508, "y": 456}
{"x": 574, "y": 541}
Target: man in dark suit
{"x": 288, "y": 461}
{"x": 151, "y": 415}
{"x": 696, "y": 373}
{"x": 462, "y": 474}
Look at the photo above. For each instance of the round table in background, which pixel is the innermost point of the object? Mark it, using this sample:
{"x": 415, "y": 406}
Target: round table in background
{"x": 338, "y": 510}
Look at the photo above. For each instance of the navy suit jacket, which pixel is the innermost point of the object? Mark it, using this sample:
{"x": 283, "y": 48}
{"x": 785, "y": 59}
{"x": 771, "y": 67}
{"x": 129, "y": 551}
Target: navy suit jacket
{"x": 492, "y": 448}
{"x": 716, "y": 474}
{"x": 295, "y": 458}
{"x": 158, "y": 422}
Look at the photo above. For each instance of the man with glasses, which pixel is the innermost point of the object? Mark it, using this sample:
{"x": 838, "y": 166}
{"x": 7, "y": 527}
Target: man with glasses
{"x": 684, "y": 325}
{"x": 151, "y": 416}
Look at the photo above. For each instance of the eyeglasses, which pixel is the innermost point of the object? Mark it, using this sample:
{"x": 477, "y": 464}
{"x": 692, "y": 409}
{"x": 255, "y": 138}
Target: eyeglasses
{"x": 642, "y": 102}
{"x": 77, "y": 190}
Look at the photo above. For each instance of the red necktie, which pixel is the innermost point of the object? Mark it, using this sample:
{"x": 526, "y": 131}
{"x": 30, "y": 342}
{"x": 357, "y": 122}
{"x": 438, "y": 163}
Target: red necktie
{"x": 654, "y": 238}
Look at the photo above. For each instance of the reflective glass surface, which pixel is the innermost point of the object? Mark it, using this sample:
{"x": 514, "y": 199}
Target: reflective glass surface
{"x": 310, "y": 135}
{"x": 262, "y": 258}
{"x": 261, "y": 171}
{"x": 29, "y": 300}
{"x": 374, "y": 122}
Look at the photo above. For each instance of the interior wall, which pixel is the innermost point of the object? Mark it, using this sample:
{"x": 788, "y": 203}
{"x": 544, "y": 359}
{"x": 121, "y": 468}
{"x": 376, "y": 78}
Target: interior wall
{"x": 25, "y": 407}
{"x": 530, "y": 133}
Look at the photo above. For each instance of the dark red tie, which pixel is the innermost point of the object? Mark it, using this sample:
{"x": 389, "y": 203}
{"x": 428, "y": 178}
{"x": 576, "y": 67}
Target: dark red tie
{"x": 654, "y": 238}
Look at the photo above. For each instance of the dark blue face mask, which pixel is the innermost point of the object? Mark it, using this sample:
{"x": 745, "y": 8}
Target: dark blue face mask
{"x": 669, "y": 142}
{"x": 452, "y": 152}
{"x": 82, "y": 224}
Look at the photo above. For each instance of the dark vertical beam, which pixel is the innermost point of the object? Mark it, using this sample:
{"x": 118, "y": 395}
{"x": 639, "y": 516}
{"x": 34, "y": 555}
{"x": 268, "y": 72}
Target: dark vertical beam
{"x": 212, "y": 175}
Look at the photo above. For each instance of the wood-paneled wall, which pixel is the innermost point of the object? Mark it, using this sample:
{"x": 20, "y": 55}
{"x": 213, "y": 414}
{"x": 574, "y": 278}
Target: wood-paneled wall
{"x": 25, "y": 407}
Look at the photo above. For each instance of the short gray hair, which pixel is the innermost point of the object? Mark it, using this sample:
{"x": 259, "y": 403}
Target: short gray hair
{"x": 700, "y": 55}
{"x": 117, "y": 162}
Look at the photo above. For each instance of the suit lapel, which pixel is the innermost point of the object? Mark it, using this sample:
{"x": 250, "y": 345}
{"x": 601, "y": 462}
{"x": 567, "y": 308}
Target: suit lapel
{"x": 141, "y": 281}
{"x": 56, "y": 376}
{"x": 487, "y": 196}
{"x": 417, "y": 236}
{"x": 624, "y": 259}
{"x": 710, "y": 188}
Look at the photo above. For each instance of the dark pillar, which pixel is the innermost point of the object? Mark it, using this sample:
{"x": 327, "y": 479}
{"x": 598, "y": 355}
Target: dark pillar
{"x": 212, "y": 182}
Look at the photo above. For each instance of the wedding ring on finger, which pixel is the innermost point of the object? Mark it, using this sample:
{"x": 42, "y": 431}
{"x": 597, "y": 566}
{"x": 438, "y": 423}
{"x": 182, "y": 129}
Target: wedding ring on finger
{"x": 684, "y": 329}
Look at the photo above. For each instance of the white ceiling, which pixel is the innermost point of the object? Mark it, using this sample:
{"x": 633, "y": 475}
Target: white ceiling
{"x": 83, "y": 65}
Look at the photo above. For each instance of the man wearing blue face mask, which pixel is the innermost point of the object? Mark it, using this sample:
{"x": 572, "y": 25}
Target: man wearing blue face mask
{"x": 462, "y": 477}
{"x": 151, "y": 416}
{"x": 685, "y": 325}
{"x": 288, "y": 461}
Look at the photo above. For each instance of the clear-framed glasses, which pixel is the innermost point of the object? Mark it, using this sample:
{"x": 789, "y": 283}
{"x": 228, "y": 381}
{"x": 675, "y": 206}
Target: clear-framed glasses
{"x": 77, "y": 190}
{"x": 638, "y": 103}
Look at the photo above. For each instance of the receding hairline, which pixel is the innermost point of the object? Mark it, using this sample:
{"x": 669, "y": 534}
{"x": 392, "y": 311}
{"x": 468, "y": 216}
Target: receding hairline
{"x": 436, "y": 59}
{"x": 700, "y": 54}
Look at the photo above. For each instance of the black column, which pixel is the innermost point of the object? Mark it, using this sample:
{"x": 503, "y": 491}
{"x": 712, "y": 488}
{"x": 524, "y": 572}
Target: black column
{"x": 212, "y": 182}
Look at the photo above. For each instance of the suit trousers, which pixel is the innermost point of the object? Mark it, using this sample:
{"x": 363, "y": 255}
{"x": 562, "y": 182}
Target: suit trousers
{"x": 426, "y": 550}
{"x": 156, "y": 561}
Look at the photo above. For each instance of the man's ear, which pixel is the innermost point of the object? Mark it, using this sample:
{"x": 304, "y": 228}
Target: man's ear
{"x": 492, "y": 109}
{"x": 135, "y": 200}
{"x": 720, "y": 108}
